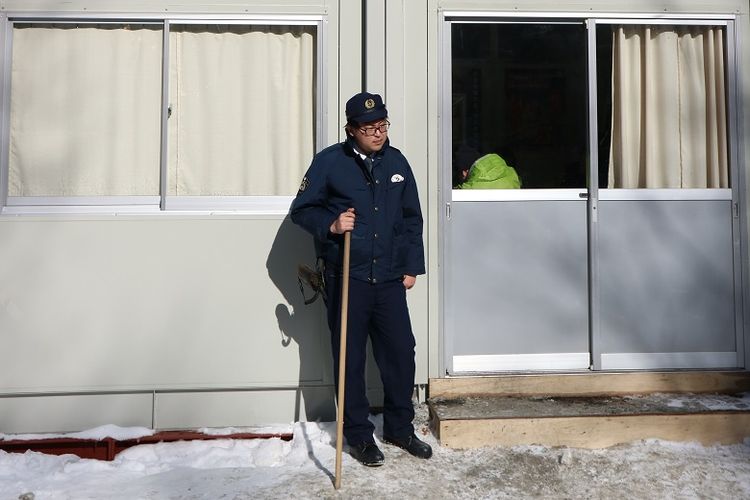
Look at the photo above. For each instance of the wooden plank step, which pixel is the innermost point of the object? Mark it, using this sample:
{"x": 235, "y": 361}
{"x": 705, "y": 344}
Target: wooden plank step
{"x": 581, "y": 411}
{"x": 589, "y": 422}
{"x": 592, "y": 383}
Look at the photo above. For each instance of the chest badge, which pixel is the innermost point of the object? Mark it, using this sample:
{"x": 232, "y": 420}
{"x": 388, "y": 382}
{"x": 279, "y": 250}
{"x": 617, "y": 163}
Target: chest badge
{"x": 397, "y": 178}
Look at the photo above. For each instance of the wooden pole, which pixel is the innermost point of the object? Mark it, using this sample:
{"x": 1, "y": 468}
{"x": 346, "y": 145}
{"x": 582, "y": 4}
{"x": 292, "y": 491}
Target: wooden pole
{"x": 342, "y": 359}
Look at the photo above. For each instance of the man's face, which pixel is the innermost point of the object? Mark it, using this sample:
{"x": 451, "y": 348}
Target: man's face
{"x": 370, "y": 137}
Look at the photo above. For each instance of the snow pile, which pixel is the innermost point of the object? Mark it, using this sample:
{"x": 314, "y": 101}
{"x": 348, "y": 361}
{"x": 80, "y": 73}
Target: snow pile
{"x": 163, "y": 465}
{"x": 97, "y": 433}
{"x": 713, "y": 402}
{"x": 226, "y": 431}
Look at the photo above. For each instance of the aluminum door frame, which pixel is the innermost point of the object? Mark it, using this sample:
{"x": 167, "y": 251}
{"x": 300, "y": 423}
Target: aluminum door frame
{"x": 739, "y": 224}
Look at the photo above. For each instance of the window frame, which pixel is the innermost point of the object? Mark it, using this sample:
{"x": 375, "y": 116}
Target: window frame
{"x": 592, "y": 19}
{"x": 163, "y": 203}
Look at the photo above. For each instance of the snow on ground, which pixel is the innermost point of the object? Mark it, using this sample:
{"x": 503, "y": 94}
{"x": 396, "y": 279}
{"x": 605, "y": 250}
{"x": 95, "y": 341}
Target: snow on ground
{"x": 304, "y": 467}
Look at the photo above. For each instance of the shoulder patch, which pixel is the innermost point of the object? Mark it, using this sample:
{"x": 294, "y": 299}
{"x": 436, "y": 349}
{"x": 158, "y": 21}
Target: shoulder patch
{"x": 303, "y": 186}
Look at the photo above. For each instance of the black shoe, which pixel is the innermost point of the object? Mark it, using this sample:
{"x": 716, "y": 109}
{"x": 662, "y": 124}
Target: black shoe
{"x": 412, "y": 444}
{"x": 368, "y": 454}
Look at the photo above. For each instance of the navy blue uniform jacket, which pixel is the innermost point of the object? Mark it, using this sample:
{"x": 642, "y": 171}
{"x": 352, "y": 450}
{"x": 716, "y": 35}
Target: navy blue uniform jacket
{"x": 387, "y": 239}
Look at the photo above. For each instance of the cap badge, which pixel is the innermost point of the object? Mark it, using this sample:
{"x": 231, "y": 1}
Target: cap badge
{"x": 369, "y": 104}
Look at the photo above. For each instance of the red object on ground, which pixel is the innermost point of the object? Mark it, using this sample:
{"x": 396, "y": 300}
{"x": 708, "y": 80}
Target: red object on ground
{"x": 108, "y": 448}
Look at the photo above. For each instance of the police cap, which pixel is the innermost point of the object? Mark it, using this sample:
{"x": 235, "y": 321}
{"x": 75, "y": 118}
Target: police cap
{"x": 365, "y": 107}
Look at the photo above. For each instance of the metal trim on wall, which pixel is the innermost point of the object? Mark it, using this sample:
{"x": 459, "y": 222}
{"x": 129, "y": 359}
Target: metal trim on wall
{"x": 321, "y": 81}
{"x": 518, "y": 194}
{"x": 593, "y": 201}
{"x": 665, "y": 194}
{"x": 6, "y": 49}
{"x": 156, "y": 17}
{"x": 164, "y": 122}
{"x": 270, "y": 204}
{"x": 445, "y": 132}
{"x": 80, "y": 201}
{"x": 737, "y": 181}
{"x": 652, "y": 18}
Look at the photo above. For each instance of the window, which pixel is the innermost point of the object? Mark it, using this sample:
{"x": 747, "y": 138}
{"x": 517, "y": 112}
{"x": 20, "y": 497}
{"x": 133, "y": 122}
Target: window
{"x": 86, "y": 114}
{"x": 242, "y": 109}
{"x": 668, "y": 107}
{"x": 521, "y": 90}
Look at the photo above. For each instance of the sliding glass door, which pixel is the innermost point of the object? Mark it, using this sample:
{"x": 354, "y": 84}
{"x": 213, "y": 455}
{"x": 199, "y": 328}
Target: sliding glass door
{"x": 516, "y": 283}
{"x": 590, "y": 221}
{"x": 667, "y": 228}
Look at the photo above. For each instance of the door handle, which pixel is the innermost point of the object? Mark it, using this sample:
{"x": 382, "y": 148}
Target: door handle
{"x": 585, "y": 196}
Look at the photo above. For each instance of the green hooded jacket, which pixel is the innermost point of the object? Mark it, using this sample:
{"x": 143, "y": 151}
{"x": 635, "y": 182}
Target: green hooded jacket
{"x": 491, "y": 172}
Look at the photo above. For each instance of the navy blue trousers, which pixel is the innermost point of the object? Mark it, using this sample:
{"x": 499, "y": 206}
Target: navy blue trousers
{"x": 377, "y": 311}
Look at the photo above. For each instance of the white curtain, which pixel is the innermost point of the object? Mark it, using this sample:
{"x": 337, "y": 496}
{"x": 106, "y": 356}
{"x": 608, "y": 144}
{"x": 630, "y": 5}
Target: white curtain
{"x": 84, "y": 111}
{"x": 86, "y": 102}
{"x": 668, "y": 108}
{"x": 242, "y": 103}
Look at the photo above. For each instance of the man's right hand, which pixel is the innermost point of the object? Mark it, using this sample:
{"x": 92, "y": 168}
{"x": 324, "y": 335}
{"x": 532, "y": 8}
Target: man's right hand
{"x": 344, "y": 222}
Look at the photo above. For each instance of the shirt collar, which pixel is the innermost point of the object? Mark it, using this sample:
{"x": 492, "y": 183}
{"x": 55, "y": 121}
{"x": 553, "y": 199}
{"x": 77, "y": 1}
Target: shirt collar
{"x": 353, "y": 145}
{"x": 361, "y": 155}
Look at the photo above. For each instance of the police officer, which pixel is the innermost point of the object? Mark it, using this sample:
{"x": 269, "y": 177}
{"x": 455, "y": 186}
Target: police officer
{"x": 366, "y": 186}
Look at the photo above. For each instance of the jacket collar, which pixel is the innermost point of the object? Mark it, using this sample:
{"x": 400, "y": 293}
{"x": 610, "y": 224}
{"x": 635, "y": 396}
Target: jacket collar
{"x": 351, "y": 148}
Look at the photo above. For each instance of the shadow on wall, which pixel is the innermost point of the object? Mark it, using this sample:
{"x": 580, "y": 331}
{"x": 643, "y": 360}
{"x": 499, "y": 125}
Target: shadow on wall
{"x": 303, "y": 324}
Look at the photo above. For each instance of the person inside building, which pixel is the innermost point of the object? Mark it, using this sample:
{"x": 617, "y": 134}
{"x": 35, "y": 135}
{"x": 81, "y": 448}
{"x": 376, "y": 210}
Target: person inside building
{"x": 366, "y": 186}
{"x": 475, "y": 171}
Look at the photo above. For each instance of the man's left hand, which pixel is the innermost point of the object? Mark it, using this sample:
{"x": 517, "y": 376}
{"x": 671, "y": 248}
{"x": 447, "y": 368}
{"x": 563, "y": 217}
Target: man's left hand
{"x": 409, "y": 281}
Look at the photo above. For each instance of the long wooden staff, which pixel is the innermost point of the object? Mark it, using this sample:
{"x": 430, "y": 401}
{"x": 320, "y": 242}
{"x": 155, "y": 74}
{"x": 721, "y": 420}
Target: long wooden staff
{"x": 342, "y": 360}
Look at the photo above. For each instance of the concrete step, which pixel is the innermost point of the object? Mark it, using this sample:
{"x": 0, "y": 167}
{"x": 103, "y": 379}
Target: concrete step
{"x": 591, "y": 410}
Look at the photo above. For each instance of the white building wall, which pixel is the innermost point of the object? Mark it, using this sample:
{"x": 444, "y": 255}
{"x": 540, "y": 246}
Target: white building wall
{"x": 169, "y": 320}
{"x": 191, "y": 320}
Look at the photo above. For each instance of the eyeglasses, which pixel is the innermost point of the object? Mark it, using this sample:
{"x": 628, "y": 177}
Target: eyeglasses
{"x": 370, "y": 131}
